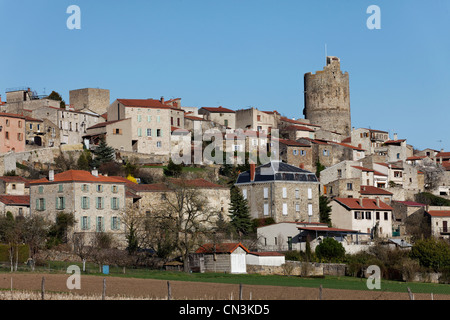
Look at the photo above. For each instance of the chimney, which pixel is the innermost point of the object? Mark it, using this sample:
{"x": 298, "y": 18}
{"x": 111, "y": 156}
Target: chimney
{"x": 51, "y": 175}
{"x": 162, "y": 100}
{"x": 361, "y": 201}
{"x": 378, "y": 201}
{"x": 95, "y": 172}
{"x": 395, "y": 136}
{"x": 252, "y": 171}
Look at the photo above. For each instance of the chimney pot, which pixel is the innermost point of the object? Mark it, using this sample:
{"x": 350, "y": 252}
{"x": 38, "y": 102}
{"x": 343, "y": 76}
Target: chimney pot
{"x": 51, "y": 175}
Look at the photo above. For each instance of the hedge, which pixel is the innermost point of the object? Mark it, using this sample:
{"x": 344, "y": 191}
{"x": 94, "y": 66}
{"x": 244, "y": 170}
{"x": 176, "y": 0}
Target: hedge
{"x": 23, "y": 253}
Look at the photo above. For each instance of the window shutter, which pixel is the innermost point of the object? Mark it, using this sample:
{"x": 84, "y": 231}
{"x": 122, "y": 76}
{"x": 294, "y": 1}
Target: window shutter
{"x": 97, "y": 202}
{"x": 82, "y": 203}
{"x": 37, "y": 204}
{"x": 118, "y": 223}
{"x": 103, "y": 203}
{"x": 63, "y": 203}
{"x": 88, "y": 202}
{"x": 89, "y": 223}
{"x": 112, "y": 223}
{"x": 44, "y": 204}
{"x": 57, "y": 203}
{"x": 284, "y": 193}
{"x": 112, "y": 203}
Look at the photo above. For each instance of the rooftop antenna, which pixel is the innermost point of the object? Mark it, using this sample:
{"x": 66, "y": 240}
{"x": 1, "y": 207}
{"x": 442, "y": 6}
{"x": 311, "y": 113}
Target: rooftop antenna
{"x": 326, "y": 54}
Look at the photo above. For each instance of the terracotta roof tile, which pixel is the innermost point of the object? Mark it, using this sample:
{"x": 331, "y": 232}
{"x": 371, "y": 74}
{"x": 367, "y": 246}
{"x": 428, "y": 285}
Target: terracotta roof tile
{"x": 15, "y": 200}
{"x": 77, "y": 176}
{"x": 218, "y": 110}
{"x": 439, "y": 213}
{"x": 370, "y": 204}
{"x": 374, "y": 190}
{"x": 220, "y": 248}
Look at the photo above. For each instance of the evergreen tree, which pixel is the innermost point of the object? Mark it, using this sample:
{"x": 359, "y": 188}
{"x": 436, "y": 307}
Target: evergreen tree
{"x": 173, "y": 169}
{"x": 103, "y": 154}
{"x": 240, "y": 217}
{"x": 324, "y": 210}
{"x": 84, "y": 161}
{"x": 57, "y": 97}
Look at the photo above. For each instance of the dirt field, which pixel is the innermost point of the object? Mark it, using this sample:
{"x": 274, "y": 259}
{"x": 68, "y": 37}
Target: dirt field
{"x": 118, "y": 288}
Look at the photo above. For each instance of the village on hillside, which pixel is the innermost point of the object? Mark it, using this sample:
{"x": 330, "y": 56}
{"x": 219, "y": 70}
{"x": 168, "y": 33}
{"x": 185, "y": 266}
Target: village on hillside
{"x": 151, "y": 182}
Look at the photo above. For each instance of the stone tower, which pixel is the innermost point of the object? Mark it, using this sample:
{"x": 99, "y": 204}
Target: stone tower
{"x": 327, "y": 98}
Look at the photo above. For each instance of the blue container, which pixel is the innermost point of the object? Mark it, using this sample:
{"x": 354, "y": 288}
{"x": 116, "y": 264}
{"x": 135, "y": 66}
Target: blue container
{"x": 105, "y": 269}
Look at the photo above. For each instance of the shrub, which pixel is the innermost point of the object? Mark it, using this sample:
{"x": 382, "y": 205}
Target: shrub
{"x": 330, "y": 250}
{"x": 431, "y": 253}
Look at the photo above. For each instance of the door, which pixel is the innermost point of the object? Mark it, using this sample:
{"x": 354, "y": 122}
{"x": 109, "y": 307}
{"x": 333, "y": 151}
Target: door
{"x": 238, "y": 263}
{"x": 444, "y": 227}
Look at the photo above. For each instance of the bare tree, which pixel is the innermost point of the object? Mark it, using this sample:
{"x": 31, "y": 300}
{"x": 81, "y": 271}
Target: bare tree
{"x": 186, "y": 213}
{"x": 433, "y": 174}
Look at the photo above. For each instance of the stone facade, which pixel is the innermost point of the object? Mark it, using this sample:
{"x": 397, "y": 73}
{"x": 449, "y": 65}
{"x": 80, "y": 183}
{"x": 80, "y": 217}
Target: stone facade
{"x": 96, "y": 100}
{"x": 97, "y": 202}
{"x": 327, "y": 98}
{"x": 12, "y": 133}
{"x": 257, "y": 120}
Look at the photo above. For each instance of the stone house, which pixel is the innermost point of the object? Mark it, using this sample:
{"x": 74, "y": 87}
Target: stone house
{"x": 12, "y": 132}
{"x": 371, "y": 192}
{"x": 257, "y": 120}
{"x": 396, "y": 150}
{"x": 370, "y": 216}
{"x": 440, "y": 221}
{"x": 296, "y": 154}
{"x": 281, "y": 191}
{"x": 14, "y": 185}
{"x": 294, "y": 132}
{"x": 96, "y": 201}
{"x": 18, "y": 205}
{"x": 20, "y": 99}
{"x": 151, "y": 125}
{"x": 221, "y": 116}
{"x": 370, "y": 140}
{"x": 401, "y": 211}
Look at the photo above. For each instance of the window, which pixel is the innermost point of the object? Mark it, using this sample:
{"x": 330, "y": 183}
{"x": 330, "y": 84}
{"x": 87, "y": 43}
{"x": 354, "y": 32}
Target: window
{"x": 139, "y": 132}
{"x": 284, "y": 193}
{"x": 285, "y": 209}
{"x": 117, "y": 131}
{"x": 309, "y": 193}
{"x": 6, "y": 135}
{"x": 310, "y": 209}
{"x": 297, "y": 207}
{"x": 349, "y": 186}
{"x": 398, "y": 155}
{"x": 266, "y": 193}
{"x": 339, "y": 173}
{"x": 20, "y": 136}
{"x": 139, "y": 118}
{"x": 85, "y": 203}
{"x": 20, "y": 212}
{"x": 41, "y": 189}
{"x": 386, "y": 215}
{"x": 158, "y": 118}
{"x": 171, "y": 121}
{"x": 60, "y": 188}
{"x": 225, "y": 122}
{"x": 115, "y": 203}
{"x": 40, "y": 204}
{"x": 115, "y": 223}
{"x": 158, "y": 132}
{"x": 368, "y": 215}
{"x": 158, "y": 144}
{"x": 377, "y": 215}
{"x": 178, "y": 122}
{"x": 295, "y": 152}
{"x": 266, "y": 209}
{"x": 289, "y": 243}
{"x": 258, "y": 118}
{"x": 31, "y": 126}
{"x": 149, "y": 132}
{"x": 114, "y": 189}
{"x": 85, "y": 188}
{"x": 7, "y": 122}
{"x": 99, "y": 188}
{"x": 85, "y": 223}
{"x": 302, "y": 152}
{"x": 100, "y": 224}
{"x": 149, "y": 118}
{"x": 19, "y": 124}
{"x": 99, "y": 204}
{"x": 297, "y": 194}
{"x": 325, "y": 152}
{"x": 244, "y": 193}
{"x": 60, "y": 203}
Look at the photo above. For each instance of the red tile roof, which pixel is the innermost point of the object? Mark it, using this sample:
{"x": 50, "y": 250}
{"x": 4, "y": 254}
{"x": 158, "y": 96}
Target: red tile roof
{"x": 298, "y": 128}
{"x": 370, "y": 204}
{"x": 298, "y": 122}
{"x": 77, "y": 176}
{"x": 439, "y": 213}
{"x": 443, "y": 155}
{"x": 348, "y": 146}
{"x": 293, "y": 143}
{"x": 11, "y": 115}
{"x": 325, "y": 229}
{"x": 363, "y": 169}
{"x": 15, "y": 200}
{"x": 219, "y": 110}
{"x": 146, "y": 103}
{"x": 374, "y": 190}
{"x": 220, "y": 248}
{"x": 394, "y": 141}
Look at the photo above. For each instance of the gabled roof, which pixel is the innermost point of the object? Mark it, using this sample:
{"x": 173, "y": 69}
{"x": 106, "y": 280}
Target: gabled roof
{"x": 355, "y": 204}
{"x": 146, "y": 103}
{"x": 293, "y": 143}
{"x": 443, "y": 155}
{"x": 77, "y": 176}
{"x": 371, "y": 190}
{"x": 363, "y": 169}
{"x": 12, "y": 200}
{"x": 218, "y": 110}
{"x": 298, "y": 128}
{"x": 221, "y": 248}
{"x": 348, "y": 146}
{"x": 298, "y": 122}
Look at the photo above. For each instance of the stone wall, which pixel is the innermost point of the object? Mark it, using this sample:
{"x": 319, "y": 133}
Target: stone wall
{"x": 296, "y": 268}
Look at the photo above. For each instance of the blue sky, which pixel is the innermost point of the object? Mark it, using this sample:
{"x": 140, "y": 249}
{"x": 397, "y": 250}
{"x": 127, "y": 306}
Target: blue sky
{"x": 243, "y": 53}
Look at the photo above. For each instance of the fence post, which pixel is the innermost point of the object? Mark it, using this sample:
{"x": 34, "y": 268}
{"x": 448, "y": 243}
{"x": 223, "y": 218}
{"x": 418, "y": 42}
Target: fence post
{"x": 320, "y": 292}
{"x": 169, "y": 291}
{"x": 104, "y": 289}
{"x": 240, "y": 291}
{"x": 42, "y": 288}
{"x": 411, "y": 296}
